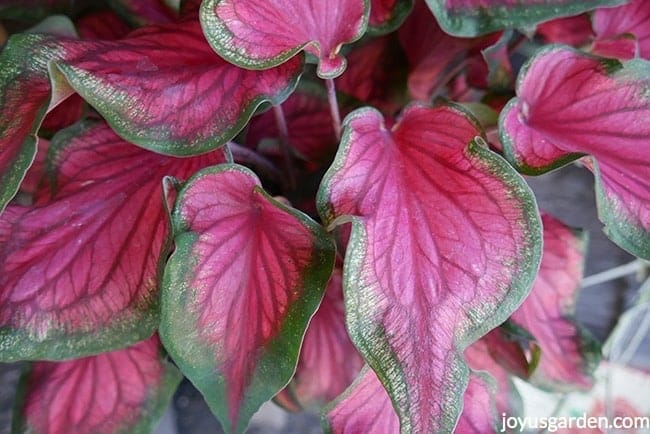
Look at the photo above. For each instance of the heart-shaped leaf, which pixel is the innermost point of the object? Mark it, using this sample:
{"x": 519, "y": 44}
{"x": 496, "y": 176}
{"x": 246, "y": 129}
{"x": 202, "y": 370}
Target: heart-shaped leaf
{"x": 79, "y": 271}
{"x": 477, "y": 17}
{"x": 633, "y": 18}
{"x": 258, "y": 35}
{"x": 328, "y": 361}
{"x": 246, "y": 276}
{"x": 570, "y": 104}
{"x": 387, "y": 15}
{"x": 569, "y": 354}
{"x": 123, "y": 391}
{"x": 164, "y": 89}
{"x": 445, "y": 244}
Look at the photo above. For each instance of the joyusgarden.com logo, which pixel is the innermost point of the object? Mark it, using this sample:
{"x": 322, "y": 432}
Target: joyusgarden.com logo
{"x": 555, "y": 423}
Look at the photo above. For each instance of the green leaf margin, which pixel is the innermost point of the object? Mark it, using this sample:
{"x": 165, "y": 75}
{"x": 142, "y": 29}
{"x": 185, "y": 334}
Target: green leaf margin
{"x": 277, "y": 364}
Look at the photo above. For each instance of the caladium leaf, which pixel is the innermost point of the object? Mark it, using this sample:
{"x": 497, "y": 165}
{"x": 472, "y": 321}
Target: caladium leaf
{"x": 431, "y": 265}
{"x": 25, "y": 98}
{"x": 143, "y": 12}
{"x": 79, "y": 271}
{"x": 569, "y": 355}
{"x": 164, "y": 89}
{"x": 387, "y": 15}
{"x": 246, "y": 276}
{"x": 122, "y": 391}
{"x": 328, "y": 361}
{"x": 260, "y": 36}
{"x": 634, "y": 18}
{"x": 477, "y": 17}
{"x": 555, "y": 119}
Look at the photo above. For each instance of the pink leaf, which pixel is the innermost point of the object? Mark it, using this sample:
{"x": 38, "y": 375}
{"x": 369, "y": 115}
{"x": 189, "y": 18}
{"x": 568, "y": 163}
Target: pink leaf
{"x": 634, "y": 18}
{"x": 261, "y": 35}
{"x": 387, "y": 15}
{"x": 444, "y": 246}
{"x": 163, "y": 88}
{"x": 328, "y": 361}
{"x": 245, "y": 278}
{"x": 477, "y": 17}
{"x": 124, "y": 391}
{"x": 79, "y": 271}
{"x": 568, "y": 353}
{"x": 569, "y": 104}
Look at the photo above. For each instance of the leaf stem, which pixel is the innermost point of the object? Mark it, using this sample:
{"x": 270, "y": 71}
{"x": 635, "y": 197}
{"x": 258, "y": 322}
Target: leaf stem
{"x": 446, "y": 79}
{"x": 283, "y": 130}
{"x": 248, "y": 156}
{"x": 614, "y": 273}
{"x": 334, "y": 107}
